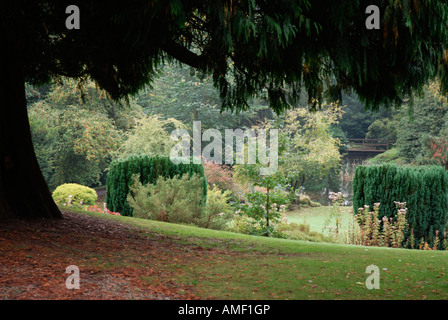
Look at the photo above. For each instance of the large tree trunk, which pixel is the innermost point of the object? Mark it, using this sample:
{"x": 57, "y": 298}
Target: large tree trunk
{"x": 23, "y": 190}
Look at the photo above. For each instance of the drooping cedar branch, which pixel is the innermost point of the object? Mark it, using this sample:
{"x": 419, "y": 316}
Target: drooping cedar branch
{"x": 184, "y": 55}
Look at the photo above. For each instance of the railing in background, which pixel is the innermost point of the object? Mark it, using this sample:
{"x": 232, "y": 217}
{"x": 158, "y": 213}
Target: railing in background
{"x": 369, "y": 145}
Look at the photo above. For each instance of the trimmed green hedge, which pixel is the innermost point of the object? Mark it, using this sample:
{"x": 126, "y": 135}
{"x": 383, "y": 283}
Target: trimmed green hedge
{"x": 423, "y": 188}
{"x": 119, "y": 178}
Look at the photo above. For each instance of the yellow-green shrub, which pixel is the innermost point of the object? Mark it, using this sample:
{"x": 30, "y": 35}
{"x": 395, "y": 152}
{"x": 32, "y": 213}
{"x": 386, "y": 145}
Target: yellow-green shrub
{"x": 80, "y": 194}
{"x": 217, "y": 211}
{"x": 176, "y": 200}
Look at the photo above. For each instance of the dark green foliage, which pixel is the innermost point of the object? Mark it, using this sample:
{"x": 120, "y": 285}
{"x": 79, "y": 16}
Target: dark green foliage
{"x": 245, "y": 46}
{"x": 429, "y": 120}
{"x": 356, "y": 120}
{"x": 424, "y": 189}
{"x": 280, "y": 47}
{"x": 119, "y": 178}
{"x": 180, "y": 93}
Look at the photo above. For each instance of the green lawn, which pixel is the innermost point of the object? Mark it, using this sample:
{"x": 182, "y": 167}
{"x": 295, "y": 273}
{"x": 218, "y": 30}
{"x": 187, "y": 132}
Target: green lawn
{"x": 234, "y": 266}
{"x": 315, "y": 217}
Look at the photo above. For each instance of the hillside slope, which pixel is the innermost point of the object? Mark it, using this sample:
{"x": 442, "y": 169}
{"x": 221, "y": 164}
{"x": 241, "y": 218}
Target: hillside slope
{"x": 128, "y": 258}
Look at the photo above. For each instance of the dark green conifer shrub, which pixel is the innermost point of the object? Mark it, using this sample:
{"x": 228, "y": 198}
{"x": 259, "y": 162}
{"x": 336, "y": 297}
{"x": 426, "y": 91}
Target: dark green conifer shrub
{"x": 423, "y": 188}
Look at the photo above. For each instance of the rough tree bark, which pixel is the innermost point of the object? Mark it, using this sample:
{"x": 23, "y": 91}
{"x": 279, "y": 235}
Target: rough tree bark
{"x": 23, "y": 190}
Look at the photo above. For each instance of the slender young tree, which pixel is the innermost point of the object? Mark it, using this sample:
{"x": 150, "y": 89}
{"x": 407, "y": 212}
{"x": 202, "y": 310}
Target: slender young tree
{"x": 281, "y": 46}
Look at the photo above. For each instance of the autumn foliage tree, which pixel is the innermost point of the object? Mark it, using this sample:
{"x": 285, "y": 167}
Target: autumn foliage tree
{"x": 310, "y": 149}
{"x": 283, "y": 47}
{"x": 440, "y": 149}
{"x": 436, "y": 151}
{"x": 75, "y": 132}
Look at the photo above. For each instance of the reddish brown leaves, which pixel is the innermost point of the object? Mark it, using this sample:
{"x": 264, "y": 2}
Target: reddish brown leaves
{"x": 115, "y": 261}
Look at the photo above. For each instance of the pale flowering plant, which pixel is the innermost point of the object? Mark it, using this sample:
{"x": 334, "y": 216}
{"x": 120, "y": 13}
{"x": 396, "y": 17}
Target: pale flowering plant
{"x": 336, "y": 198}
{"x": 375, "y": 231}
{"x": 337, "y": 201}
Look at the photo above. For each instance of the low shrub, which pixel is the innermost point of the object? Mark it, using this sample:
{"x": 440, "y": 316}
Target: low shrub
{"x": 148, "y": 169}
{"x": 301, "y": 232}
{"x": 304, "y": 201}
{"x": 295, "y": 231}
{"x": 177, "y": 199}
{"x": 241, "y": 224}
{"x": 305, "y": 228}
{"x": 217, "y": 210}
{"x": 80, "y": 195}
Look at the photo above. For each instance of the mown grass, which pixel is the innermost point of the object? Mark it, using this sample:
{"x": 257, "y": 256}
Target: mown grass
{"x": 237, "y": 266}
{"x": 316, "y": 217}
